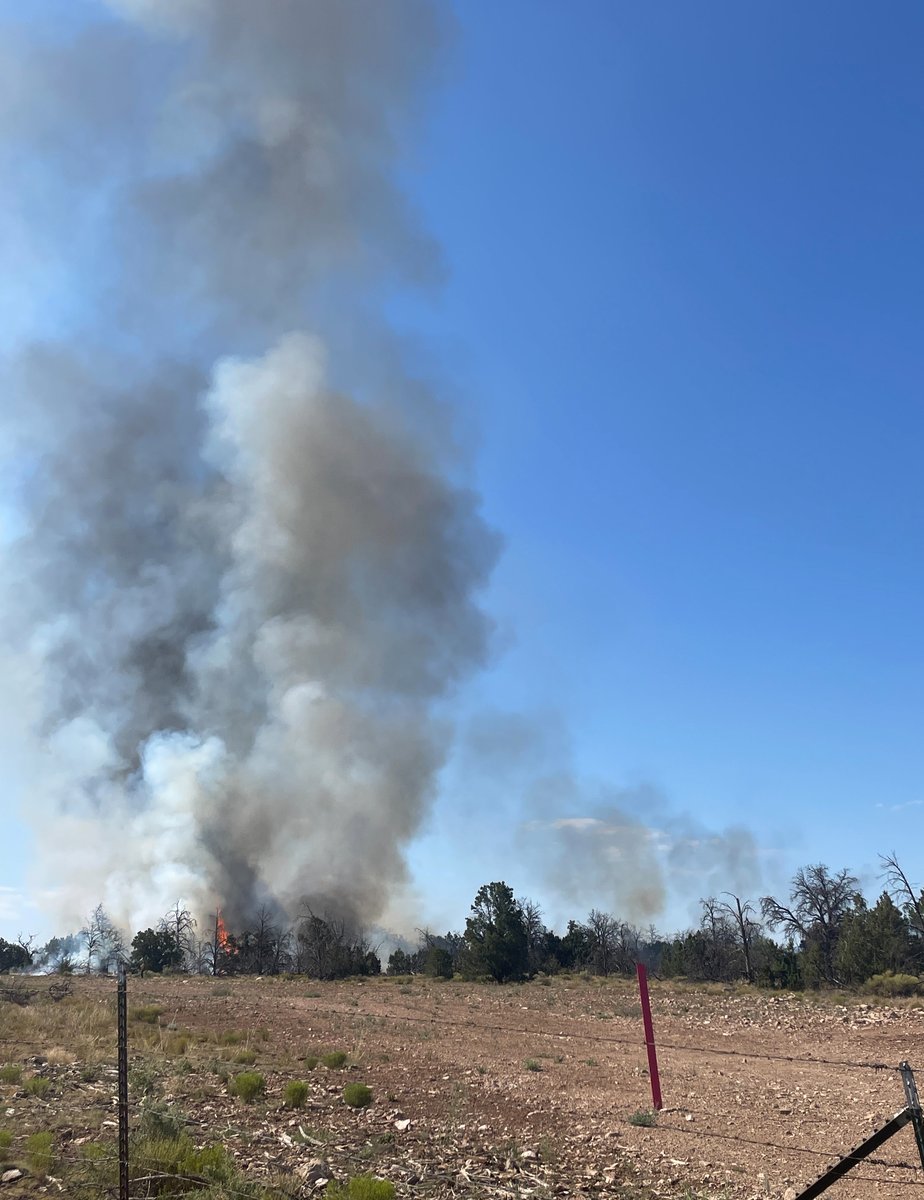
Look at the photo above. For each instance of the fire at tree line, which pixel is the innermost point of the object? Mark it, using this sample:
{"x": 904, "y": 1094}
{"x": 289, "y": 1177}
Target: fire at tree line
{"x": 826, "y": 935}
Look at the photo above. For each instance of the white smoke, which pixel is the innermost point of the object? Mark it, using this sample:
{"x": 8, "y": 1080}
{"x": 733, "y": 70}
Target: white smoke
{"x": 238, "y": 593}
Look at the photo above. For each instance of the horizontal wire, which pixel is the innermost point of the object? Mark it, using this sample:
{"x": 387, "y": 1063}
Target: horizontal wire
{"x": 605, "y": 1040}
{"x": 748, "y": 1141}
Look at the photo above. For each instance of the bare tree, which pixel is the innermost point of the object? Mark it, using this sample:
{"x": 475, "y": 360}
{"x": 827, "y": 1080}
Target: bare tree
{"x": 908, "y": 899}
{"x": 602, "y": 934}
{"x": 27, "y": 944}
{"x": 181, "y": 925}
{"x": 818, "y": 903}
{"x": 743, "y": 915}
{"x": 103, "y": 941}
{"x": 720, "y": 949}
{"x": 628, "y": 947}
{"x": 264, "y": 948}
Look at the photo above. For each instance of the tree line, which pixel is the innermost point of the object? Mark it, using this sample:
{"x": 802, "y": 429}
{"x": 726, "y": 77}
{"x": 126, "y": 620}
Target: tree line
{"x": 823, "y": 933}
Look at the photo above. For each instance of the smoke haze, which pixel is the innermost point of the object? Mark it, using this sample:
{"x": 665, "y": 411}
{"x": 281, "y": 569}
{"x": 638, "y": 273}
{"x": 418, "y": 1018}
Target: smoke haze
{"x": 236, "y": 594}
{"x": 590, "y": 843}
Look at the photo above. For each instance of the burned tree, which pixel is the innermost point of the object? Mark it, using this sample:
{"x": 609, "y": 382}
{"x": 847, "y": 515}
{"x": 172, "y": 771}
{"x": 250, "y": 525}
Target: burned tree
{"x": 103, "y": 943}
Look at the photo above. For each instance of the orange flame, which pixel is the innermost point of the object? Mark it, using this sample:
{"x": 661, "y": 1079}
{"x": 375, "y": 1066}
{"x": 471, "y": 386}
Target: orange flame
{"x": 221, "y": 934}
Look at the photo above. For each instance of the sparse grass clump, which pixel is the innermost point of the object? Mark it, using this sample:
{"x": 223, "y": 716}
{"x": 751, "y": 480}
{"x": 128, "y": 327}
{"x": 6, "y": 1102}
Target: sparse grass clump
{"x": 148, "y": 1013}
{"x": 357, "y": 1095}
{"x": 248, "y": 1086}
{"x": 39, "y": 1153}
{"x": 890, "y": 983}
{"x": 334, "y": 1061}
{"x": 6, "y": 1140}
{"x": 230, "y": 1037}
{"x": 59, "y": 1057}
{"x": 245, "y": 1057}
{"x": 11, "y": 1073}
{"x": 38, "y": 1085}
{"x": 178, "y": 1156}
{"x": 644, "y": 1117}
{"x": 361, "y": 1187}
{"x": 176, "y": 1045}
{"x": 532, "y": 1065}
{"x": 310, "y": 1062}
{"x": 295, "y": 1094}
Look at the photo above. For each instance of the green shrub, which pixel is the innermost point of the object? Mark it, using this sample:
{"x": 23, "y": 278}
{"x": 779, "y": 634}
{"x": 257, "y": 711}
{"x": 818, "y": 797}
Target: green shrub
{"x": 89, "y": 1074}
{"x": 178, "y": 1156}
{"x": 891, "y": 984}
{"x": 10, "y": 1073}
{"x": 335, "y": 1060}
{"x": 248, "y": 1086}
{"x": 357, "y": 1095}
{"x": 532, "y": 1065}
{"x": 6, "y": 1140}
{"x": 148, "y": 1013}
{"x": 38, "y": 1085}
{"x": 39, "y": 1153}
{"x": 245, "y": 1057}
{"x": 310, "y": 1062}
{"x": 230, "y": 1038}
{"x": 160, "y": 1120}
{"x": 643, "y": 1116}
{"x": 361, "y": 1187}
{"x": 295, "y": 1094}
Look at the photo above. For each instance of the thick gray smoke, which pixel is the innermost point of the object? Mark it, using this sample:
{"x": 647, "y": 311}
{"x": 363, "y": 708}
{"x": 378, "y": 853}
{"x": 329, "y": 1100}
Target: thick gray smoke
{"x": 236, "y": 592}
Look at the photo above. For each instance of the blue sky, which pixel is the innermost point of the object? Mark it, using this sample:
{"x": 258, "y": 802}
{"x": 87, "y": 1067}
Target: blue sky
{"x": 682, "y": 315}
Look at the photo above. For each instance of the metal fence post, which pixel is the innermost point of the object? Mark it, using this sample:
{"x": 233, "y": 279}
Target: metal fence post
{"x": 911, "y": 1097}
{"x": 642, "y": 972}
{"x": 122, "y": 1007}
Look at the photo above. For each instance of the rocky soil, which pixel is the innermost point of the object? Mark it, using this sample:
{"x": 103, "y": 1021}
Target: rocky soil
{"x": 539, "y": 1089}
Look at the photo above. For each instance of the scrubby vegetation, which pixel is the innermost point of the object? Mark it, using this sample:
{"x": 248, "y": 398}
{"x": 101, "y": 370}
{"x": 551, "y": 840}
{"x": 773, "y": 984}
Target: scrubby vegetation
{"x": 248, "y": 1086}
{"x": 824, "y": 933}
{"x": 357, "y": 1095}
{"x": 361, "y": 1187}
{"x": 295, "y": 1094}
{"x": 40, "y": 1152}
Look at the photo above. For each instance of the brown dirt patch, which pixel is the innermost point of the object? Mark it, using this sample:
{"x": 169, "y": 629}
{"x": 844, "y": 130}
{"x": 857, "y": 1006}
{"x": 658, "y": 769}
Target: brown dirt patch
{"x": 457, "y": 1109}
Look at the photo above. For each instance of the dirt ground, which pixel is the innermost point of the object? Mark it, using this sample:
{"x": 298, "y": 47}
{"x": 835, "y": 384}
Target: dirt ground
{"x": 537, "y": 1089}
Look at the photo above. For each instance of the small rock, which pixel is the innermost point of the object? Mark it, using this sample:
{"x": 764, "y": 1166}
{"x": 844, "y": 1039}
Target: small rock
{"x": 790, "y": 1194}
{"x": 317, "y": 1174}
{"x": 401, "y": 1126}
{"x": 10, "y": 1176}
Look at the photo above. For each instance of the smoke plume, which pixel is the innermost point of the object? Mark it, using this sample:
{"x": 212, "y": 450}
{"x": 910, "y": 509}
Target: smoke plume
{"x": 590, "y": 843}
{"x": 242, "y": 567}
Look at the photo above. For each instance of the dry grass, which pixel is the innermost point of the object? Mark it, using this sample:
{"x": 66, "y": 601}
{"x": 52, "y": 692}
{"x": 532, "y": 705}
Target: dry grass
{"x": 57, "y": 1056}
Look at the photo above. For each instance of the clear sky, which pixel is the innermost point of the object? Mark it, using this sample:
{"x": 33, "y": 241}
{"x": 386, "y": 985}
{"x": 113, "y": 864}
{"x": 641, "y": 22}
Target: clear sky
{"x": 683, "y": 313}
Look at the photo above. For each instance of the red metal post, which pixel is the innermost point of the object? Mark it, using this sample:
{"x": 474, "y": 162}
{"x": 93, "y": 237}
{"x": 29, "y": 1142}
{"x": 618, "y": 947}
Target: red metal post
{"x": 642, "y": 971}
